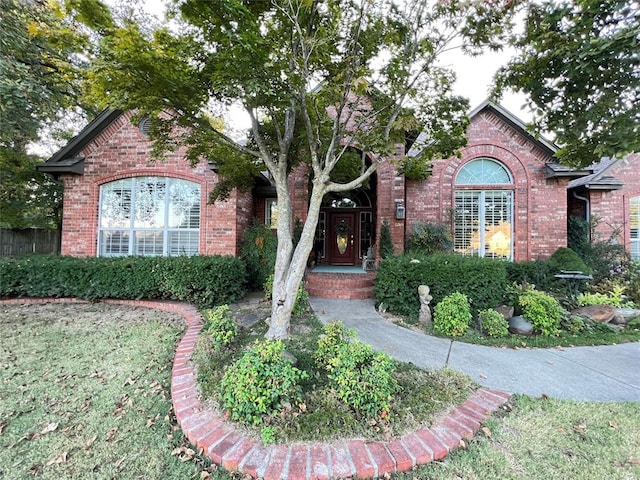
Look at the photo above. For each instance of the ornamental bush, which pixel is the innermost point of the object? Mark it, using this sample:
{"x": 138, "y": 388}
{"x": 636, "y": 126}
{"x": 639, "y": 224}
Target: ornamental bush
{"x": 430, "y": 238}
{"x": 258, "y": 250}
{"x": 363, "y": 379}
{"x": 493, "y": 323}
{"x": 452, "y": 315}
{"x": 482, "y": 280}
{"x": 334, "y": 336}
{"x": 260, "y": 383}
{"x": 203, "y": 280}
{"x": 220, "y": 326}
{"x": 543, "y": 311}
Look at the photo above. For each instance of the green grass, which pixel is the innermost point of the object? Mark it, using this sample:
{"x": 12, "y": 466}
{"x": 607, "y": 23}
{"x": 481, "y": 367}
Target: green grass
{"x": 548, "y": 439}
{"x": 84, "y": 393}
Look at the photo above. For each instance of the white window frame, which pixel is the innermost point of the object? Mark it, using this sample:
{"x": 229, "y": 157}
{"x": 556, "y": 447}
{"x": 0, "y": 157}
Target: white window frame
{"x": 271, "y": 213}
{"x": 634, "y": 227}
{"x": 130, "y": 232}
{"x": 481, "y": 191}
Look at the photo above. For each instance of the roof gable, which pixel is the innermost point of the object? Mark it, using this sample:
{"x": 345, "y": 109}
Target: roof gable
{"x": 66, "y": 160}
{"x": 503, "y": 114}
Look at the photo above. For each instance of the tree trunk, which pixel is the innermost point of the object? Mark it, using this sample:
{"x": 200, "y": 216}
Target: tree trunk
{"x": 291, "y": 265}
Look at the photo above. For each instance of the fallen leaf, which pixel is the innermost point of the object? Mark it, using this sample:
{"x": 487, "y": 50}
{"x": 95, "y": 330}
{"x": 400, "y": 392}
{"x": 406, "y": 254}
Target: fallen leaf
{"x": 87, "y": 445}
{"x": 580, "y": 426}
{"x": 204, "y": 475}
{"x": 486, "y": 432}
{"x": 2, "y": 425}
{"x": 111, "y": 433}
{"x": 119, "y": 462}
{"x": 482, "y": 375}
{"x": 150, "y": 423}
{"x": 62, "y": 458}
{"x": 613, "y": 424}
{"x": 176, "y": 451}
{"x": 633, "y": 461}
{"x": 558, "y": 347}
{"x": 49, "y": 427}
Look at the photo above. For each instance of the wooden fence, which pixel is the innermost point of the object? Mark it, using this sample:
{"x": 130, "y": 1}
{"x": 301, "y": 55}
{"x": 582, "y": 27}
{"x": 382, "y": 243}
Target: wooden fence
{"x": 28, "y": 241}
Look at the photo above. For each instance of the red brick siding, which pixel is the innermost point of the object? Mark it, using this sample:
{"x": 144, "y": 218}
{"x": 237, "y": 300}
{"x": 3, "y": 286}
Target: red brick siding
{"x": 540, "y": 205}
{"x": 121, "y": 151}
{"x": 612, "y": 208}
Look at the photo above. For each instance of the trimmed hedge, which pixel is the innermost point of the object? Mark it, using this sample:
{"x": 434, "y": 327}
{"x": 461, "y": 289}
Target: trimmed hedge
{"x": 204, "y": 281}
{"x": 483, "y": 281}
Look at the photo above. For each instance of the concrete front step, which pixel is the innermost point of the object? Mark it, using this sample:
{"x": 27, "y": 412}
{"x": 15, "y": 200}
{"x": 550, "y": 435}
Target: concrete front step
{"x": 346, "y": 286}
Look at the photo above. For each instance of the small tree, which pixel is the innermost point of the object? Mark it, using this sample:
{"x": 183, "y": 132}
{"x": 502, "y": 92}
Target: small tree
{"x": 318, "y": 80}
{"x": 386, "y": 243}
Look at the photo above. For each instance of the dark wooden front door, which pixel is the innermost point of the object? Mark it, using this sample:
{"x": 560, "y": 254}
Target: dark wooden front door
{"x": 342, "y": 238}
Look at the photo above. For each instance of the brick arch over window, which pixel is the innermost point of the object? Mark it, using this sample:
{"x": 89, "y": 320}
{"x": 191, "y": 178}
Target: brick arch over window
{"x": 483, "y": 209}
{"x": 433, "y": 199}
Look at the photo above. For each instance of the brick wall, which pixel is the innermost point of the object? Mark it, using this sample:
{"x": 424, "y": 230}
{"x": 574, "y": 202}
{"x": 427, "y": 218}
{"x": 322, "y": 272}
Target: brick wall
{"x": 612, "y": 208}
{"x": 540, "y": 205}
{"x": 121, "y": 151}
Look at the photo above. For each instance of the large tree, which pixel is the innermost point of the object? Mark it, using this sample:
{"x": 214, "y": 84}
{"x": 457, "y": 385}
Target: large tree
{"x": 42, "y": 59}
{"x": 318, "y": 79}
{"x": 579, "y": 63}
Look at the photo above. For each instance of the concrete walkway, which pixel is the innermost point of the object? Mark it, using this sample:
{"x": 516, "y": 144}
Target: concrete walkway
{"x": 605, "y": 373}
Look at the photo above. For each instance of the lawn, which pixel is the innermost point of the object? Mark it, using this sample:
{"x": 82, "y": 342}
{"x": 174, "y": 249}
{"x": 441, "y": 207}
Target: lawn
{"x": 84, "y": 393}
{"x": 543, "y": 439}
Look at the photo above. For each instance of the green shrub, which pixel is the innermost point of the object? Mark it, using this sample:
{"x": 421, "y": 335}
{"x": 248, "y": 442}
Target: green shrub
{"x": 452, "y": 315}
{"x": 543, "y": 311}
{"x": 258, "y": 250}
{"x": 386, "y": 243}
{"x": 334, "y": 336}
{"x": 493, "y": 323}
{"x": 482, "y": 280}
{"x": 260, "y": 383}
{"x": 363, "y": 379}
{"x": 615, "y": 298}
{"x": 603, "y": 256}
{"x": 537, "y": 272}
{"x": 572, "y": 323}
{"x": 204, "y": 281}
{"x": 302, "y": 297}
{"x": 566, "y": 259}
{"x": 430, "y": 238}
{"x": 220, "y": 326}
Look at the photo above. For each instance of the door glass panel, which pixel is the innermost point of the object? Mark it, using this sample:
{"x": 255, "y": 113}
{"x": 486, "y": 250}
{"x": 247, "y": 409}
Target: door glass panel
{"x": 342, "y": 236}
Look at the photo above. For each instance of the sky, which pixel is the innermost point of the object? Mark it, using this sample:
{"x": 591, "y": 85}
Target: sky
{"x": 474, "y": 76}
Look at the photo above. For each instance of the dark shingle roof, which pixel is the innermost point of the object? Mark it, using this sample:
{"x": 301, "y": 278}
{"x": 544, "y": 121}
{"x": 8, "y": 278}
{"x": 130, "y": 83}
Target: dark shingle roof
{"x": 66, "y": 160}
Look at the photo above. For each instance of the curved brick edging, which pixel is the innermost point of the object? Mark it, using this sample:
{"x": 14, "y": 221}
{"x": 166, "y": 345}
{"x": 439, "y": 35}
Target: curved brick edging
{"x": 229, "y": 447}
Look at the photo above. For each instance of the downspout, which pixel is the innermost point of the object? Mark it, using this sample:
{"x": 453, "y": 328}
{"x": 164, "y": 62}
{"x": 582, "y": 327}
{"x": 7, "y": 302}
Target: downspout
{"x": 587, "y": 205}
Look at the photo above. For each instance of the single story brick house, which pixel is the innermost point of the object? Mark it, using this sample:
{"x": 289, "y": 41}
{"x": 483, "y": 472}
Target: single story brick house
{"x": 505, "y": 197}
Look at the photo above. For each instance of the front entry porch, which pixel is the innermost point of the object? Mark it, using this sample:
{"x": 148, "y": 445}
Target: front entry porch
{"x": 339, "y": 282}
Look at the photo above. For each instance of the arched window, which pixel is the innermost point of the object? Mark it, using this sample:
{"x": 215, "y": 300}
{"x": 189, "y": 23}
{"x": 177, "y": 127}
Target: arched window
{"x": 150, "y": 216}
{"x": 484, "y": 210}
{"x": 483, "y": 171}
{"x": 634, "y": 223}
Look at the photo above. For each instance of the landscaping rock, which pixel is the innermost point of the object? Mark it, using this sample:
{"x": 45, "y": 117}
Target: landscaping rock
{"x": 505, "y": 310}
{"x": 520, "y": 326}
{"x": 597, "y": 313}
{"x": 623, "y": 315}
